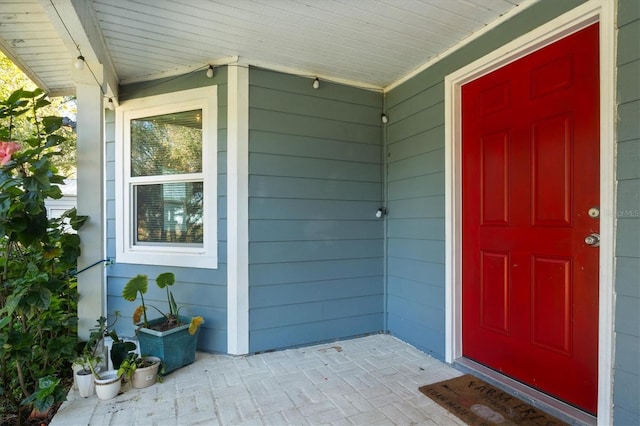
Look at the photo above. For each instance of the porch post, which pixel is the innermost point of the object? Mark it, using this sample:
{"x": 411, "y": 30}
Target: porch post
{"x": 90, "y": 173}
{"x": 238, "y": 211}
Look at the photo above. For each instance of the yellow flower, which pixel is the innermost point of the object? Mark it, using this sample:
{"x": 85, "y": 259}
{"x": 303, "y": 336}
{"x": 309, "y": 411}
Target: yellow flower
{"x": 195, "y": 323}
{"x": 137, "y": 314}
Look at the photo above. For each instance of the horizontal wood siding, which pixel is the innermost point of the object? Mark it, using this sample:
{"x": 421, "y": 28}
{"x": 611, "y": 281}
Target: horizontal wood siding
{"x": 416, "y": 185}
{"x": 627, "y": 319}
{"x": 315, "y": 183}
{"x": 199, "y": 291}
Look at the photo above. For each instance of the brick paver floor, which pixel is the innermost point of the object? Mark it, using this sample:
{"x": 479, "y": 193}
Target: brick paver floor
{"x": 371, "y": 380}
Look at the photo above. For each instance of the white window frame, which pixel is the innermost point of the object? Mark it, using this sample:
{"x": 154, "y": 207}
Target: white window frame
{"x": 168, "y": 255}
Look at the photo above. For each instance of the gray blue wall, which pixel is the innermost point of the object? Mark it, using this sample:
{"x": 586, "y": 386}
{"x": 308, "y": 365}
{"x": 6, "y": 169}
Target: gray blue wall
{"x": 201, "y": 291}
{"x": 415, "y": 185}
{"x": 315, "y": 183}
{"x": 627, "y": 320}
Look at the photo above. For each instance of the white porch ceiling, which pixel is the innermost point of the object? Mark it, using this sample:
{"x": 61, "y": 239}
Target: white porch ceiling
{"x": 368, "y": 43}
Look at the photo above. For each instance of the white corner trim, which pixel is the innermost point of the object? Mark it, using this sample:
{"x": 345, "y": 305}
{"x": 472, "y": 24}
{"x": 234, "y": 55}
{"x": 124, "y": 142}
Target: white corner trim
{"x": 238, "y": 210}
{"x": 608, "y": 140}
{"x": 602, "y": 11}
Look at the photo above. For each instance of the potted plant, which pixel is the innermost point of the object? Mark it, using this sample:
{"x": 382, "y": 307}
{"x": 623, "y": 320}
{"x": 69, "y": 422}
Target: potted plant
{"x": 91, "y": 355}
{"x": 83, "y": 377}
{"x": 120, "y": 349}
{"x": 107, "y": 384}
{"x": 147, "y": 373}
{"x": 127, "y": 369}
{"x": 140, "y": 372}
{"x": 171, "y": 337}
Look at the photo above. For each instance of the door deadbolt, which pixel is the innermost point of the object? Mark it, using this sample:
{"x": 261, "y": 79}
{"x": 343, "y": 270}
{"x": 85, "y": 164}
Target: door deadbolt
{"x": 594, "y": 212}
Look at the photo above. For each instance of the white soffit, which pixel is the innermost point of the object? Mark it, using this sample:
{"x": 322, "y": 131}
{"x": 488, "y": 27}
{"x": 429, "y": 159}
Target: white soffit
{"x": 368, "y": 43}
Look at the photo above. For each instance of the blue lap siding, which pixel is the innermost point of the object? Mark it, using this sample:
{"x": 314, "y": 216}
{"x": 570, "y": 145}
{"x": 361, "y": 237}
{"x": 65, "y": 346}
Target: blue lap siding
{"x": 627, "y": 309}
{"x": 315, "y": 183}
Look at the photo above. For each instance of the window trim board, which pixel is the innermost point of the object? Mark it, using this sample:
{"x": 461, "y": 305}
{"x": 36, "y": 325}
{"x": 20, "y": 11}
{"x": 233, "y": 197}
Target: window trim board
{"x": 205, "y": 98}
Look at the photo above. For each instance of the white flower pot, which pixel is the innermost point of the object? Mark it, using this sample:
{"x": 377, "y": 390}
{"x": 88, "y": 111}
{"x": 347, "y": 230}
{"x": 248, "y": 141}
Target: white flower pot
{"x": 75, "y": 368}
{"x": 108, "y": 385}
{"x": 84, "y": 381}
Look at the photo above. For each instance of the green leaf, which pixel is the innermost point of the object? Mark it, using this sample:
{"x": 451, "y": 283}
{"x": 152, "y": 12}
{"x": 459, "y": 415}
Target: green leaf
{"x": 42, "y": 102}
{"x": 13, "y": 301}
{"x": 39, "y": 298}
{"x": 4, "y": 322}
{"x": 30, "y": 94}
{"x": 54, "y": 140}
{"x": 49, "y": 392}
{"x": 51, "y": 124}
{"x": 173, "y": 306}
{"x": 46, "y": 384}
{"x": 165, "y": 279}
{"x": 139, "y": 283}
{"x": 55, "y": 192}
{"x": 16, "y": 97}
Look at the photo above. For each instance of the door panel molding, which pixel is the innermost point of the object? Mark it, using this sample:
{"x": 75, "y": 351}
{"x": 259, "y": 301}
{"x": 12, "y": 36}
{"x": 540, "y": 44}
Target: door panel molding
{"x": 601, "y": 11}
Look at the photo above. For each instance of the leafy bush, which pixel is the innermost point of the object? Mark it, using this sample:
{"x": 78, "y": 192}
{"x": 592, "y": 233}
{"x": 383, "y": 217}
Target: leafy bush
{"x": 38, "y": 297}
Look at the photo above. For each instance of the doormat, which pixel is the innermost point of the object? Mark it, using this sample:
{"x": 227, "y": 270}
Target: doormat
{"x": 478, "y": 403}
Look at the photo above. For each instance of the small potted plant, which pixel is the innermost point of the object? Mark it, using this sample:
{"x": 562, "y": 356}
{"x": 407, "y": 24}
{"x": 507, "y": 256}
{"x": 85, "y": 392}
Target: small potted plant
{"x": 107, "y": 383}
{"x": 140, "y": 372}
{"x": 91, "y": 355}
{"x": 120, "y": 349}
{"x": 147, "y": 373}
{"x": 126, "y": 369}
{"x": 171, "y": 337}
{"x": 83, "y": 377}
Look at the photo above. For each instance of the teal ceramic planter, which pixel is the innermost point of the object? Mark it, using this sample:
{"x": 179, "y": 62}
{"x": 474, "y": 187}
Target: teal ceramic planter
{"x": 176, "y": 347}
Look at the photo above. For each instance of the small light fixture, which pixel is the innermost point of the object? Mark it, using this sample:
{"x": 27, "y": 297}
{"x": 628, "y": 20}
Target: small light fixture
{"x": 381, "y": 212}
{"x": 80, "y": 63}
{"x": 384, "y": 118}
{"x": 210, "y": 71}
{"x": 111, "y": 105}
{"x": 316, "y": 83}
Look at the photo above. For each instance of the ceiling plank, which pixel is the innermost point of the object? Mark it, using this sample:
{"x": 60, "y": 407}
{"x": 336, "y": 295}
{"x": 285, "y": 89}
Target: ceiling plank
{"x": 365, "y": 43}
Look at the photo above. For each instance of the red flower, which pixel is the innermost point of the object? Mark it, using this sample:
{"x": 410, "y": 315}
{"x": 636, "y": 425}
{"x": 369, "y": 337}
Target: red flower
{"x": 6, "y": 149}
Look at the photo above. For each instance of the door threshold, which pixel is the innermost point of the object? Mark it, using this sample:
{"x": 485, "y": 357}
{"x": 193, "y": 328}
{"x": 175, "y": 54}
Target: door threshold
{"x": 555, "y": 407}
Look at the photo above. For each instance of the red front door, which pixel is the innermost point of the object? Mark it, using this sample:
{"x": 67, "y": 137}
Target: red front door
{"x": 530, "y": 182}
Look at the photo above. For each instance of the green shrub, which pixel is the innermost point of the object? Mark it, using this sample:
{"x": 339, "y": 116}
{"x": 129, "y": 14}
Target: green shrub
{"x": 38, "y": 297}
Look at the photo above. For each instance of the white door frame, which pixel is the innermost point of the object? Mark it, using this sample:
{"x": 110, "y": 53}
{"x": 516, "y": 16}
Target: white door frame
{"x": 601, "y": 11}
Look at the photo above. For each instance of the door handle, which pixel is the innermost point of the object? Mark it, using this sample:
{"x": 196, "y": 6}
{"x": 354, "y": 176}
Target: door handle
{"x": 593, "y": 240}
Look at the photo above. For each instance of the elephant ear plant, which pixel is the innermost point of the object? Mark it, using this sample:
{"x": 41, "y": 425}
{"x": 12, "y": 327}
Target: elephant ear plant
{"x": 38, "y": 257}
{"x": 139, "y": 285}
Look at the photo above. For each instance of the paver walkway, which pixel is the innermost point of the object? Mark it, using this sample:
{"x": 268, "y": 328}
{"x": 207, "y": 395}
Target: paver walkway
{"x": 371, "y": 380}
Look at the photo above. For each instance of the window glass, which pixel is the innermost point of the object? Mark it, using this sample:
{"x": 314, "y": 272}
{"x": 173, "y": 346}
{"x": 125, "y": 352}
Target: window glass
{"x": 167, "y": 144}
{"x": 169, "y": 213}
